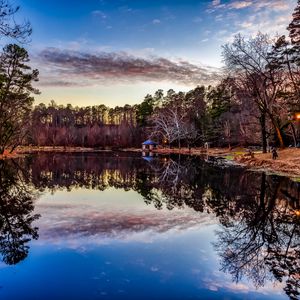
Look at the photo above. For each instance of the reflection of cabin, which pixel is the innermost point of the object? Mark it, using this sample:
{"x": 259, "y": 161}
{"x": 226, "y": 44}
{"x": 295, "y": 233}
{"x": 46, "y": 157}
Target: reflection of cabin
{"x": 149, "y": 145}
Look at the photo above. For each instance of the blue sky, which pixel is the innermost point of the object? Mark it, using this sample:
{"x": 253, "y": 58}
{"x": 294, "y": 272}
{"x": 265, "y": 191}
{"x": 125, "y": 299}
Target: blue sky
{"x": 116, "y": 51}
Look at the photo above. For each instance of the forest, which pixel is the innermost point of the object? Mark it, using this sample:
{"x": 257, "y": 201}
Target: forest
{"x": 256, "y": 102}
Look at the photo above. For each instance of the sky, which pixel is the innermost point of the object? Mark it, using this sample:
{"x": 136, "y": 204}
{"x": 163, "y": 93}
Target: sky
{"x": 114, "y": 52}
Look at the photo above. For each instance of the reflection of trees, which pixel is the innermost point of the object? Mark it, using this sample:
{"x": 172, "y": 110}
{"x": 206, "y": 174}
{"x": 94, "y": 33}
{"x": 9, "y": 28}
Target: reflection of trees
{"x": 261, "y": 240}
{"x": 259, "y": 214}
{"x": 91, "y": 171}
{"x": 16, "y": 207}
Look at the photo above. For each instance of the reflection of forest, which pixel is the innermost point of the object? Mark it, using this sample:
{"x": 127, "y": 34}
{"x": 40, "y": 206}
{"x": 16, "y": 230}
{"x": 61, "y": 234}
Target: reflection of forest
{"x": 259, "y": 214}
{"x": 16, "y": 213}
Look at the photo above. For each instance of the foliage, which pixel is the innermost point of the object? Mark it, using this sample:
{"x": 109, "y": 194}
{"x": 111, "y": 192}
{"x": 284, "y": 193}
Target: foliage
{"x": 16, "y": 79}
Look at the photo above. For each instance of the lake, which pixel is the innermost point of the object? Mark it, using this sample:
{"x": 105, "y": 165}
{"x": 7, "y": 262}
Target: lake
{"x": 120, "y": 226}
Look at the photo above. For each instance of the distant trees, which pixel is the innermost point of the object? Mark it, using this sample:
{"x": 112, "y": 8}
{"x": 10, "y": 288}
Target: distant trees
{"x": 176, "y": 117}
{"x": 95, "y": 126}
{"x": 16, "y": 78}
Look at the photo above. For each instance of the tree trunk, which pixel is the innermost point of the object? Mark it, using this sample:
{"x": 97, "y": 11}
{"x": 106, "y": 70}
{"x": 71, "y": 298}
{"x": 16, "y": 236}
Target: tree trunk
{"x": 262, "y": 120}
{"x": 294, "y": 135}
{"x": 278, "y": 132}
{"x": 279, "y": 136}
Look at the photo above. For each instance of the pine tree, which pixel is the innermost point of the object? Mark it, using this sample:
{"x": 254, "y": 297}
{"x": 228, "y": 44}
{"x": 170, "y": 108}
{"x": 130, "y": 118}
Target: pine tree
{"x": 16, "y": 79}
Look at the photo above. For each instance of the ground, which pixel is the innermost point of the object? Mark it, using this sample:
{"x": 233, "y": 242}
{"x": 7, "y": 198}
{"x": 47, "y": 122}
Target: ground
{"x": 288, "y": 162}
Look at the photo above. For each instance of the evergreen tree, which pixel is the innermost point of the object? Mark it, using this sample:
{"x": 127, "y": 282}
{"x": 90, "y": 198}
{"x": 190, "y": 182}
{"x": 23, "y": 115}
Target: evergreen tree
{"x": 16, "y": 79}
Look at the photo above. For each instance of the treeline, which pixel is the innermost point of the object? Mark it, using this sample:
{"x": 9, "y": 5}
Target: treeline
{"x": 95, "y": 126}
{"x": 193, "y": 118}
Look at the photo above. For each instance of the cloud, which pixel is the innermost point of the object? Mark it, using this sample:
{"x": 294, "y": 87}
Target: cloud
{"x": 240, "y": 4}
{"x": 83, "y": 68}
{"x": 256, "y": 5}
{"x": 99, "y": 13}
{"x": 216, "y": 2}
{"x": 251, "y": 16}
{"x": 156, "y": 21}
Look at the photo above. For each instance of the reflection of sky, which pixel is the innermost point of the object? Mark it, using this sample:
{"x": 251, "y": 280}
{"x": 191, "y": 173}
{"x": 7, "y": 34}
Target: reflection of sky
{"x": 111, "y": 245}
{"x": 92, "y": 217}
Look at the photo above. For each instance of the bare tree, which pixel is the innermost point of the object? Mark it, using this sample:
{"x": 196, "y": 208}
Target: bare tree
{"x": 8, "y": 25}
{"x": 249, "y": 62}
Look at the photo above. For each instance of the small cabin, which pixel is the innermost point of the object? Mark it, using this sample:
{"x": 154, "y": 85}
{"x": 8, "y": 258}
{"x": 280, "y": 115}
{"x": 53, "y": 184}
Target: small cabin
{"x": 149, "y": 145}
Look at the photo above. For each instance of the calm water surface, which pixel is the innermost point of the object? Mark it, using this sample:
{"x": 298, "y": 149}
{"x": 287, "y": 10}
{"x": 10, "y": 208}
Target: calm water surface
{"x": 117, "y": 226}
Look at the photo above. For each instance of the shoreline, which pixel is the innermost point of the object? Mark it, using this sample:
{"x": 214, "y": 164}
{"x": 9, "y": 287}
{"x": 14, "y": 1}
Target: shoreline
{"x": 287, "y": 164}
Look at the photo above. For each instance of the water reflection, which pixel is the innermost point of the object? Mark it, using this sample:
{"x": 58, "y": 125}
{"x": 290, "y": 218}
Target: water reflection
{"x": 16, "y": 213}
{"x": 259, "y": 215}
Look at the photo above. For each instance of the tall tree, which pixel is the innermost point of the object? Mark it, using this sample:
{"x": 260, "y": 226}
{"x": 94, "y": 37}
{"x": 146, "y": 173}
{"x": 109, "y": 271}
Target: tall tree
{"x": 248, "y": 62}
{"x": 16, "y": 78}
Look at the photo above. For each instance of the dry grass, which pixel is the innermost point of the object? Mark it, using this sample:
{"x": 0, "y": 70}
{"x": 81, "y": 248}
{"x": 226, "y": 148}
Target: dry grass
{"x": 288, "y": 162}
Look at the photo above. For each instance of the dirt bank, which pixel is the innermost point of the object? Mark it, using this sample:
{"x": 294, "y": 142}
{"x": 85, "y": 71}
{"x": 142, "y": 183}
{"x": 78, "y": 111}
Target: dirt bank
{"x": 288, "y": 162}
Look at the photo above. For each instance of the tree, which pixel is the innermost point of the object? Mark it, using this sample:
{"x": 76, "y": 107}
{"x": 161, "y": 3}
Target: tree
{"x": 285, "y": 56}
{"x": 8, "y": 25}
{"x": 249, "y": 62}
{"x": 16, "y": 79}
{"x": 145, "y": 110}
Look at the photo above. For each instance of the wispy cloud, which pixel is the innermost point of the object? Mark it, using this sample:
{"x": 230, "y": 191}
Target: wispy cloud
{"x": 216, "y": 2}
{"x": 86, "y": 69}
{"x": 99, "y": 13}
{"x": 276, "y": 5}
{"x": 250, "y": 16}
{"x": 156, "y": 21}
{"x": 240, "y": 4}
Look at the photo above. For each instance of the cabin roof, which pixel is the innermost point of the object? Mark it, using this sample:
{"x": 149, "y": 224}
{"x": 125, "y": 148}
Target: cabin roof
{"x": 150, "y": 142}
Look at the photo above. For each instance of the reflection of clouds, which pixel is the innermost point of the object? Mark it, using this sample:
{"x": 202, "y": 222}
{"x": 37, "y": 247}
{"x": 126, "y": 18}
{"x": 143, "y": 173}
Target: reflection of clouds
{"x": 219, "y": 282}
{"x": 81, "y": 225}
